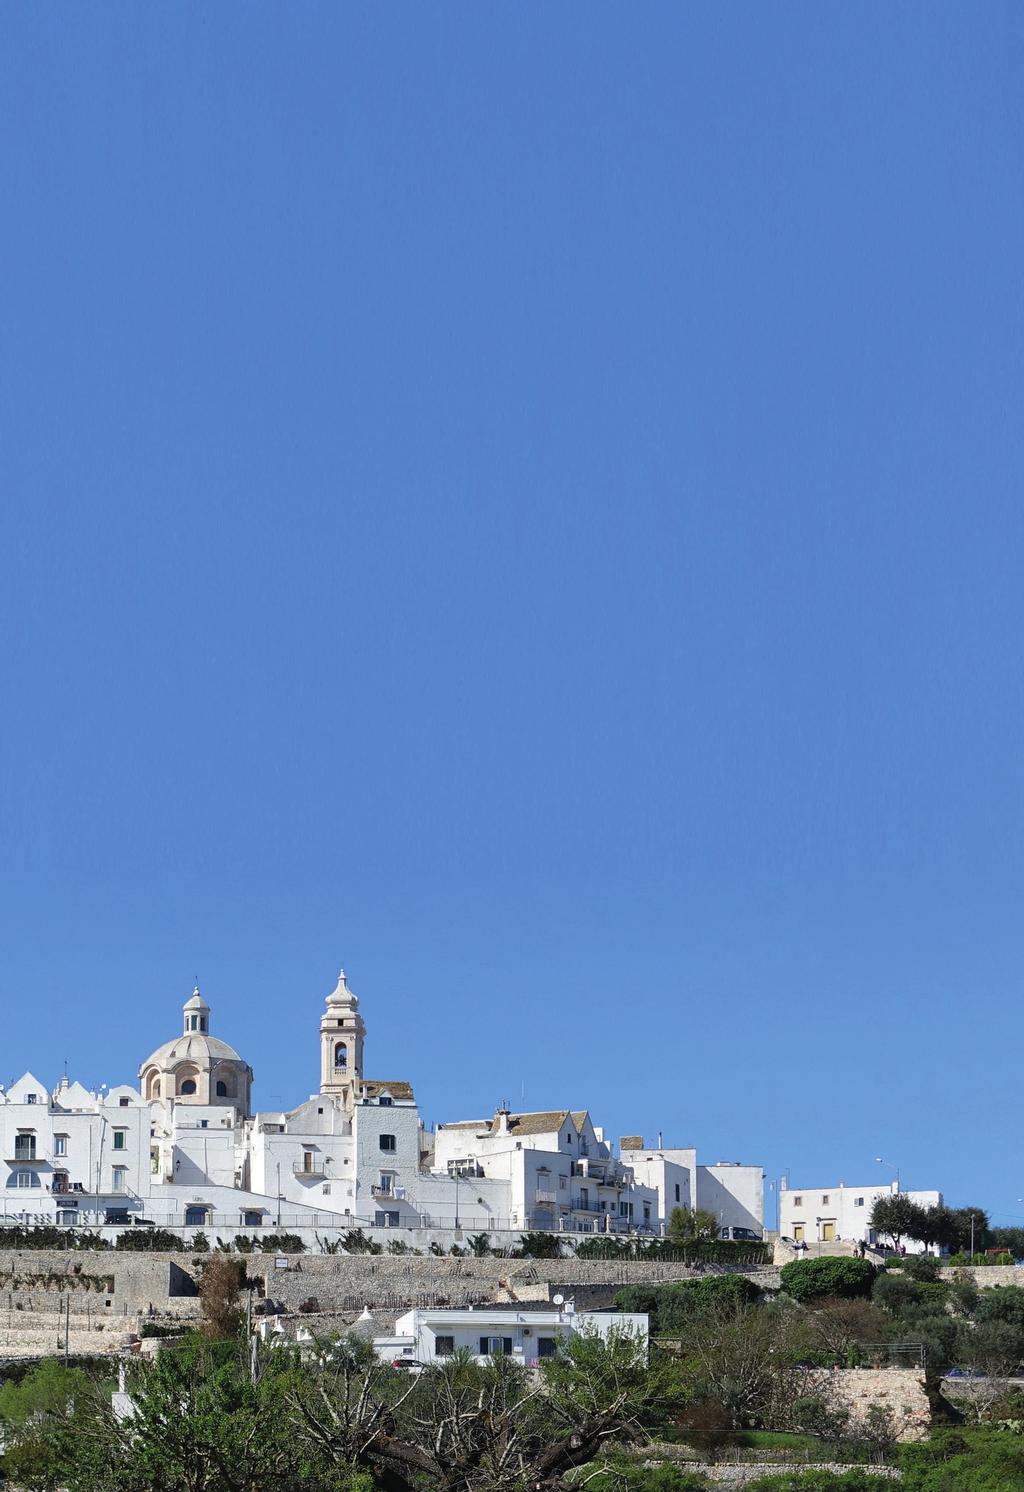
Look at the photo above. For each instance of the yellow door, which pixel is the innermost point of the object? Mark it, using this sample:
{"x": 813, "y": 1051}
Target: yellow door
{"x": 798, "y": 1232}
{"x": 828, "y": 1232}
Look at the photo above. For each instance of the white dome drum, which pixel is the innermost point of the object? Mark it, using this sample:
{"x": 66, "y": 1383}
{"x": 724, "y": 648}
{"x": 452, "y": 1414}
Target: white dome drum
{"x": 197, "y": 1068}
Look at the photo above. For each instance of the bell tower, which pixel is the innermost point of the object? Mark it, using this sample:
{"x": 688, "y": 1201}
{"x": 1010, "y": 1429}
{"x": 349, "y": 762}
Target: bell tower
{"x": 341, "y": 1043}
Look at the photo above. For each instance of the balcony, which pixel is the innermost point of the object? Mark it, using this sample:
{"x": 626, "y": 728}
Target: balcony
{"x": 25, "y": 1158}
{"x": 386, "y": 1191}
{"x": 580, "y": 1204}
{"x": 314, "y": 1170}
{"x": 545, "y": 1196}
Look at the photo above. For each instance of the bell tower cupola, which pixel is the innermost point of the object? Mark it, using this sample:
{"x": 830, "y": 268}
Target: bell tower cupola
{"x": 197, "y": 1014}
{"x": 341, "y": 1043}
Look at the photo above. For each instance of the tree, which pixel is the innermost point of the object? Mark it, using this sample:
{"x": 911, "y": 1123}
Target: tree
{"x": 40, "y": 1420}
{"x": 459, "y": 1427}
{"x": 218, "y": 1295}
{"x": 810, "y": 1279}
{"x": 839, "y": 1325}
{"x": 736, "y": 1358}
{"x": 1010, "y": 1239}
{"x": 962, "y": 1236}
{"x": 207, "y": 1419}
{"x": 692, "y": 1225}
{"x": 671, "y": 1307}
{"x": 897, "y": 1216}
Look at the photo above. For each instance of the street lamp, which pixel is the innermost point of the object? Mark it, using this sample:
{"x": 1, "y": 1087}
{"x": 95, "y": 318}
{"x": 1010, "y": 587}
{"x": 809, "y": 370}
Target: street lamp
{"x": 879, "y": 1161}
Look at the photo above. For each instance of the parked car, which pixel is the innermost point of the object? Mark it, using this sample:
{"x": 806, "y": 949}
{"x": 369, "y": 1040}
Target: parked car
{"x": 740, "y": 1235}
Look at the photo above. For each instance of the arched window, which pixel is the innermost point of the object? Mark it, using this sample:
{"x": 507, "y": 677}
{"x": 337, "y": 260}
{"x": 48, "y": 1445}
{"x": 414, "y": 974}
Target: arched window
{"x": 340, "y": 1055}
{"x": 188, "y": 1086}
{"x": 222, "y": 1089}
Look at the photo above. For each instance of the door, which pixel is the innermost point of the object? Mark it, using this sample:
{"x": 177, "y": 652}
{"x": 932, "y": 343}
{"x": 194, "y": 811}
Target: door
{"x": 798, "y": 1232}
{"x": 828, "y": 1232}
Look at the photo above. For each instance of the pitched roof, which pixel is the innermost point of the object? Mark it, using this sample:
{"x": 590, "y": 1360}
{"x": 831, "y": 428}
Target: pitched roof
{"x": 543, "y": 1122}
{"x": 374, "y": 1086}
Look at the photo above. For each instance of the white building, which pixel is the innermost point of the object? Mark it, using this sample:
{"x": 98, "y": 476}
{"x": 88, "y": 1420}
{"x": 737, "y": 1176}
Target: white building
{"x": 185, "y": 1150}
{"x": 425, "y": 1336}
{"x": 558, "y": 1170}
{"x": 834, "y": 1214}
{"x": 729, "y": 1190}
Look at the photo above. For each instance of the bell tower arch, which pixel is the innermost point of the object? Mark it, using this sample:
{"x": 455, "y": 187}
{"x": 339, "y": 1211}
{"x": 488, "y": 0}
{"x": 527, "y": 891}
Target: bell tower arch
{"x": 341, "y": 1043}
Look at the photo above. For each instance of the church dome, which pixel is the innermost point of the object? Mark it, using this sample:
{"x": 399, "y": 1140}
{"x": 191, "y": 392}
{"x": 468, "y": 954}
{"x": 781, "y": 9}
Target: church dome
{"x": 195, "y": 1067}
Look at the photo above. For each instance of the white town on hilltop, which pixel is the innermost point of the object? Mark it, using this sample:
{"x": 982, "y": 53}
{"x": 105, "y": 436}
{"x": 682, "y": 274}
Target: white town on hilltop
{"x": 184, "y": 1150}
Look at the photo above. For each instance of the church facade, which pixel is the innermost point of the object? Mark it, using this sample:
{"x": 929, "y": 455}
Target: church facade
{"x": 184, "y": 1150}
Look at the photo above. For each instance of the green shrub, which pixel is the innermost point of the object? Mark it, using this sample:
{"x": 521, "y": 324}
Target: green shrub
{"x": 975, "y": 1460}
{"x": 670, "y": 1307}
{"x": 620, "y": 1474}
{"x": 538, "y": 1246}
{"x": 819, "y": 1480}
{"x": 810, "y": 1279}
{"x": 144, "y": 1240}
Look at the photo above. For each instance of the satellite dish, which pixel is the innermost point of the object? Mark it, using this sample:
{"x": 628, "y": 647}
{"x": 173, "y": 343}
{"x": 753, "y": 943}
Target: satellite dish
{"x": 558, "y": 1300}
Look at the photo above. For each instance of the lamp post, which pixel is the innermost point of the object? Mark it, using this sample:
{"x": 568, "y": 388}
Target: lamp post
{"x": 879, "y": 1161}
{"x": 456, "y": 1198}
{"x": 279, "y": 1195}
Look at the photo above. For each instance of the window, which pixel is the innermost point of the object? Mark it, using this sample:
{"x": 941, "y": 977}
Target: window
{"x": 30, "y": 1097}
{"x": 120, "y": 1179}
{"x": 444, "y": 1346}
{"x": 386, "y": 1180}
{"x": 204, "y": 1124}
{"x": 120, "y": 1139}
{"x": 154, "y": 1161}
{"x": 798, "y": 1201}
{"x": 858, "y": 1201}
{"x": 326, "y": 1189}
{"x": 568, "y": 1139}
{"x": 387, "y": 1142}
{"x": 677, "y": 1191}
{"x": 222, "y": 1089}
{"x": 386, "y": 1101}
{"x": 69, "y": 1217}
{"x": 25, "y": 1146}
{"x": 123, "y": 1102}
{"x": 252, "y": 1219}
{"x": 495, "y": 1346}
{"x": 562, "y": 1183}
{"x": 188, "y": 1086}
{"x": 60, "y": 1144}
{"x": 626, "y": 1209}
{"x": 647, "y": 1212}
{"x": 824, "y": 1199}
{"x": 23, "y": 1179}
{"x": 546, "y": 1346}
{"x": 340, "y": 1056}
{"x": 195, "y": 1217}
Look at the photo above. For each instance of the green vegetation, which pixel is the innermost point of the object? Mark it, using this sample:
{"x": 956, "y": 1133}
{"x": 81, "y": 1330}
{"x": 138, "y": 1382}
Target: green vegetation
{"x": 692, "y": 1225}
{"x": 811, "y": 1279}
{"x": 854, "y": 1480}
{"x": 672, "y": 1307}
{"x": 976, "y": 1460}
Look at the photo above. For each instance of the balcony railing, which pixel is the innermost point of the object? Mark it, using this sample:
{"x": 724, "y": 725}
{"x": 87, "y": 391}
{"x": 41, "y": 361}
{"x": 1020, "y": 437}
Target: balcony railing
{"x": 545, "y": 1196}
{"x": 25, "y": 1158}
{"x": 314, "y": 1170}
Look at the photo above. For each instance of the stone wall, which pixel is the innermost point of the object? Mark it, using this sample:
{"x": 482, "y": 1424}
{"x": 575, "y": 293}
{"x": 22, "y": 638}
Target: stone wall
{"x": 900, "y": 1390}
{"x": 351, "y": 1281}
{"x": 986, "y": 1276}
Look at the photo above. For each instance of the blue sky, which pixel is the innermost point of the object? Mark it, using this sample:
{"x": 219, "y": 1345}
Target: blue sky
{"x": 525, "y": 502}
